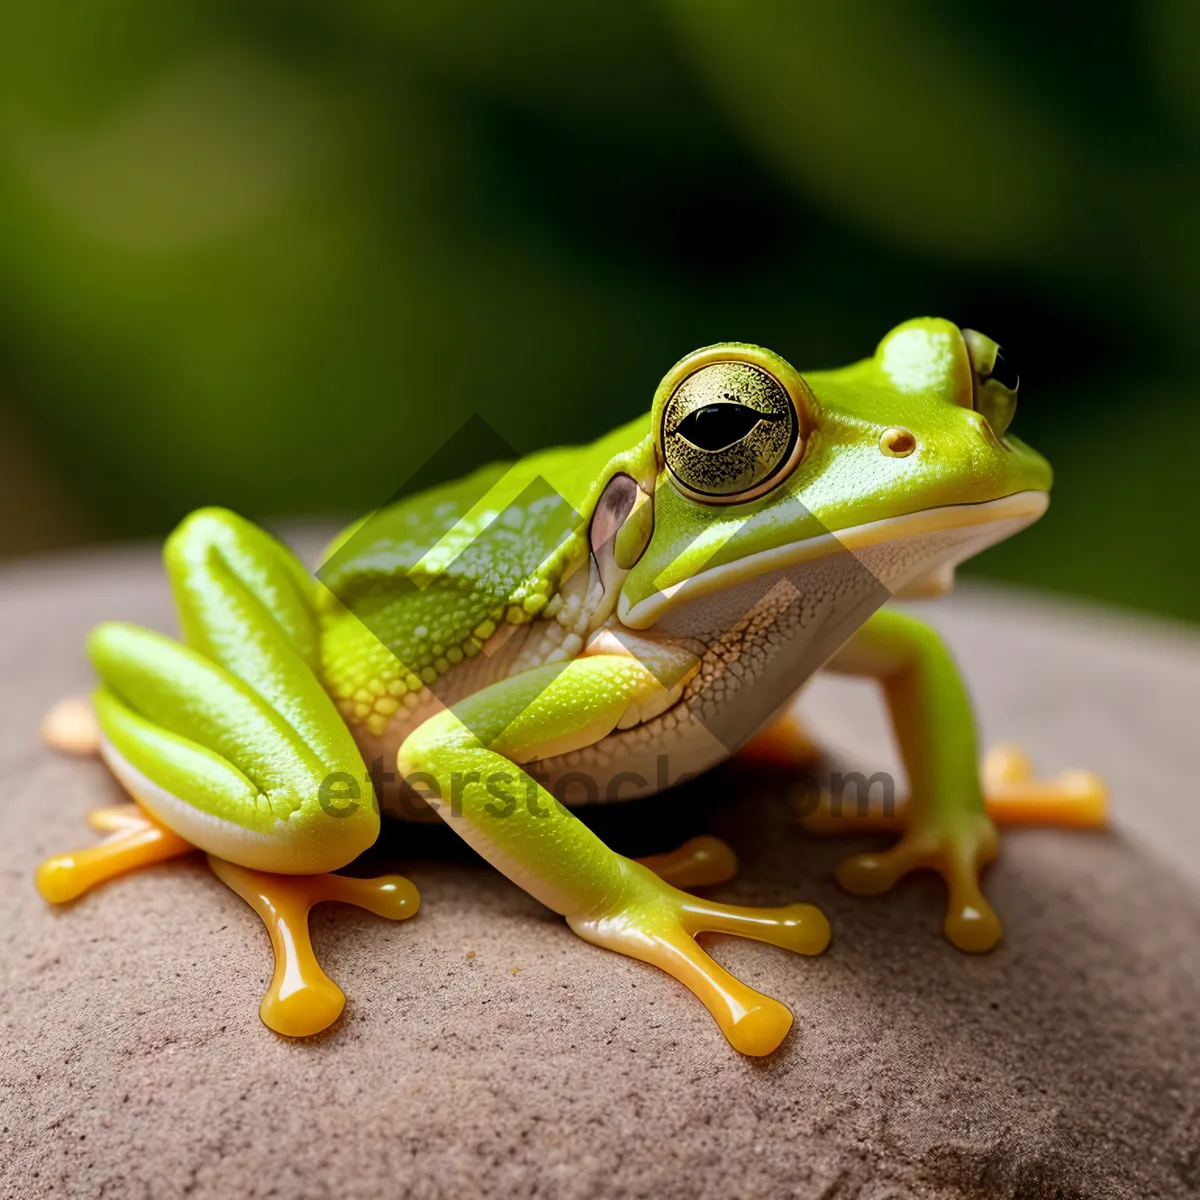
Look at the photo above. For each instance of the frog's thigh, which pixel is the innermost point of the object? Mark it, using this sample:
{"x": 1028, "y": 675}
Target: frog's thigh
{"x": 230, "y": 741}
{"x": 945, "y": 825}
{"x": 214, "y": 762}
{"x": 246, "y": 603}
{"x": 472, "y": 753}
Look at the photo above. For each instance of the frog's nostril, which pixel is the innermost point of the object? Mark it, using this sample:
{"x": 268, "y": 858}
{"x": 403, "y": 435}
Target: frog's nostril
{"x": 897, "y": 443}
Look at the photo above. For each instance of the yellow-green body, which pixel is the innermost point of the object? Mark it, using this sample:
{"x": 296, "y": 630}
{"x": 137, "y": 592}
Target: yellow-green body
{"x": 594, "y": 622}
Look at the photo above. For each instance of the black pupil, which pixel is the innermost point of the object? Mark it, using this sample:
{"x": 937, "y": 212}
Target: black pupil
{"x": 1004, "y": 373}
{"x": 716, "y": 426}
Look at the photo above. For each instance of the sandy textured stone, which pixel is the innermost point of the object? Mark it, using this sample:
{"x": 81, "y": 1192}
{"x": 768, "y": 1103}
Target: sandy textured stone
{"x": 1065, "y": 1064}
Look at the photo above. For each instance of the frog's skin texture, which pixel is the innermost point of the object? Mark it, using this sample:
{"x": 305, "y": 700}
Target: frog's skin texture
{"x": 592, "y": 622}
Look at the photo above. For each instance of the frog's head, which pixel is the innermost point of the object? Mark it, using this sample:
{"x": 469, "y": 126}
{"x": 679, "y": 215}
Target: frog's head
{"x": 903, "y": 461}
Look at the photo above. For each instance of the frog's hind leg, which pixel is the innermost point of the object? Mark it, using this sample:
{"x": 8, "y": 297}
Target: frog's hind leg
{"x": 302, "y": 1000}
{"x": 226, "y": 741}
{"x": 472, "y": 752}
{"x": 134, "y": 839}
{"x": 229, "y": 743}
{"x": 230, "y": 740}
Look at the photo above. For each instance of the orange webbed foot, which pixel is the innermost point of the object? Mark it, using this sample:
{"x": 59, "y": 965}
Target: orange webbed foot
{"x": 1012, "y": 795}
{"x": 302, "y": 1000}
{"x": 958, "y": 851}
{"x": 71, "y": 728}
{"x": 135, "y": 840}
{"x": 659, "y": 924}
{"x": 1015, "y": 796}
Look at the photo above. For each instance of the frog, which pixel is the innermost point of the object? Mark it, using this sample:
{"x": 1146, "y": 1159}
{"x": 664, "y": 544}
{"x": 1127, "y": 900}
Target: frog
{"x": 592, "y": 624}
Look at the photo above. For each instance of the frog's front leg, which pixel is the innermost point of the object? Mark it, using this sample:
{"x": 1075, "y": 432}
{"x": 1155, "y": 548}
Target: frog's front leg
{"x": 472, "y": 754}
{"x": 945, "y": 824}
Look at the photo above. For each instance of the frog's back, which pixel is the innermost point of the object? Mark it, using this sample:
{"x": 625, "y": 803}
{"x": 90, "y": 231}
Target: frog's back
{"x": 414, "y": 591}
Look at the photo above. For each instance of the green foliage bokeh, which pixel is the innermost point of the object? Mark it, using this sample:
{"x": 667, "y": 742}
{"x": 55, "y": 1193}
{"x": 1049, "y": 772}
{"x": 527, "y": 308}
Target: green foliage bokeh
{"x": 271, "y": 254}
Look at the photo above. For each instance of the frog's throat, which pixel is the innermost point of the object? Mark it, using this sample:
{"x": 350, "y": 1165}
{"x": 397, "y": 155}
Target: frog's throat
{"x": 1009, "y": 513}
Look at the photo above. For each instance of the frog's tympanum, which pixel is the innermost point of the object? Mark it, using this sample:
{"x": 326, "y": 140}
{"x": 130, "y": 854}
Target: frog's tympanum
{"x": 588, "y": 625}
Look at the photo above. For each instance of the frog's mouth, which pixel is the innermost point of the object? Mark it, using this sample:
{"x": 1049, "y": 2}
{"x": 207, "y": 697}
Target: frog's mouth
{"x": 977, "y": 525}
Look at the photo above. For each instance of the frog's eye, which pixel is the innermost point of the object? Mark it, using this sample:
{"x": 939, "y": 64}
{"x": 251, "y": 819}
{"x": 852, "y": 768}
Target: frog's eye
{"x": 730, "y": 431}
{"x": 994, "y": 381}
{"x": 719, "y": 426}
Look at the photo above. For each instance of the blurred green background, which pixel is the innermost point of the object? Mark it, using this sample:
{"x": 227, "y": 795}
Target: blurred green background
{"x": 269, "y": 254}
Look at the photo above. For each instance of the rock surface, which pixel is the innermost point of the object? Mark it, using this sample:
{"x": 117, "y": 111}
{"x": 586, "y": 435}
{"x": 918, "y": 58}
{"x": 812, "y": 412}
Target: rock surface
{"x": 1064, "y": 1064}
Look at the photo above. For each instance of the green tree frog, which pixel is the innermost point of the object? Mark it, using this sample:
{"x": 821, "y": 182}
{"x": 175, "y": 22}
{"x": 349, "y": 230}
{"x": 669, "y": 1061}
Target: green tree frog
{"x": 591, "y": 623}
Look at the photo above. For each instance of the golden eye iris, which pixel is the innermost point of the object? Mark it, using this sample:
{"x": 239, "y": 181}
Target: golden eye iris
{"x": 728, "y": 429}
